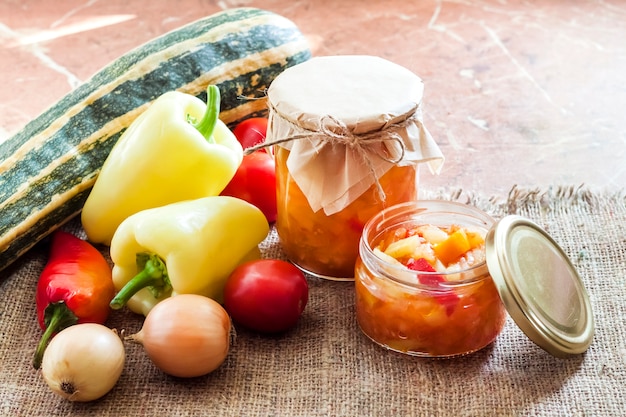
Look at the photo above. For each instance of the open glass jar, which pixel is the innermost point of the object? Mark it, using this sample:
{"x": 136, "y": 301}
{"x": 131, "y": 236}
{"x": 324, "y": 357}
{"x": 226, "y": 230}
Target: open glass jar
{"x": 437, "y": 279}
{"x": 453, "y": 310}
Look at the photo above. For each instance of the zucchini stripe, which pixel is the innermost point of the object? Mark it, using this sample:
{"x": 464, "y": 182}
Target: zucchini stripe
{"x": 47, "y": 169}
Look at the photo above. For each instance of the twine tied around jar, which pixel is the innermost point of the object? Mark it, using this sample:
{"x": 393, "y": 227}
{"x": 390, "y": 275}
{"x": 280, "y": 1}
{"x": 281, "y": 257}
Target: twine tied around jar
{"x": 334, "y": 131}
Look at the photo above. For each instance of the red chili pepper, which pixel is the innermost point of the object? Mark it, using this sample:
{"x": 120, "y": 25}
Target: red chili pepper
{"x": 445, "y": 297}
{"x": 75, "y": 286}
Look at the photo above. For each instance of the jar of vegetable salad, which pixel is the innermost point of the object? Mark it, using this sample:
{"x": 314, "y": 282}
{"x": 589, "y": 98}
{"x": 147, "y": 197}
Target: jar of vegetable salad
{"x": 348, "y": 138}
{"x": 436, "y": 279}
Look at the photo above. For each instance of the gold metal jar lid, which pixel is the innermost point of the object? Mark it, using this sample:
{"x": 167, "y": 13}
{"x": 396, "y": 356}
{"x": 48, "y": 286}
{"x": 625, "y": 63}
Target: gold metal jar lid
{"x": 539, "y": 286}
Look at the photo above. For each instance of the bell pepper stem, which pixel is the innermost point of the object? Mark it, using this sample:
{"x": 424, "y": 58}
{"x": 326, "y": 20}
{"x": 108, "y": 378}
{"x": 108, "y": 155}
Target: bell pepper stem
{"x": 153, "y": 273}
{"x": 206, "y": 125}
{"x": 57, "y": 316}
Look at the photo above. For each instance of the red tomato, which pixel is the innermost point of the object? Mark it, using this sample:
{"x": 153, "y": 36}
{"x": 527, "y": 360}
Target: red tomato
{"x": 266, "y": 295}
{"x": 255, "y": 182}
{"x": 251, "y": 131}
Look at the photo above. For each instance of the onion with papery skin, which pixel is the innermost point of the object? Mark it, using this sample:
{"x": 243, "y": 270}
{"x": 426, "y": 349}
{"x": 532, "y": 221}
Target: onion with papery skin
{"x": 83, "y": 362}
{"x": 186, "y": 335}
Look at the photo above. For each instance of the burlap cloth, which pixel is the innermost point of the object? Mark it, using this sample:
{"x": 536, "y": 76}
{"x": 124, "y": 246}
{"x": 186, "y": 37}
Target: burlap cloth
{"x": 326, "y": 367}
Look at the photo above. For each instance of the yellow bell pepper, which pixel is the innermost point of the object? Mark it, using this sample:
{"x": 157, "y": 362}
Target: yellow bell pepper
{"x": 189, "y": 247}
{"x": 176, "y": 150}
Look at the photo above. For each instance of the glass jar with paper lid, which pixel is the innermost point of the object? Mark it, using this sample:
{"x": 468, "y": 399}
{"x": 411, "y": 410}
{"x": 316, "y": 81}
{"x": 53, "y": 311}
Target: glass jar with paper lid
{"x": 348, "y": 139}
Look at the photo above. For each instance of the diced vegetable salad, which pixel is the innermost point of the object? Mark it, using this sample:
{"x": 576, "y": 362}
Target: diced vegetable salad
{"x": 449, "y": 304}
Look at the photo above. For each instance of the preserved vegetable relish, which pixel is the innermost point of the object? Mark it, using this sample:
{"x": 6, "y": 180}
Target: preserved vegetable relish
{"x": 425, "y": 290}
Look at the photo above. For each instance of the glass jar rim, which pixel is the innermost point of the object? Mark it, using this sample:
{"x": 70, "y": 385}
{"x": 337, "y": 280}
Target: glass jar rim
{"x": 411, "y": 211}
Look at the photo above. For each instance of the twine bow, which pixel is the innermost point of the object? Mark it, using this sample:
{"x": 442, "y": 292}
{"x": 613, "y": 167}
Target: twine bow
{"x": 334, "y": 131}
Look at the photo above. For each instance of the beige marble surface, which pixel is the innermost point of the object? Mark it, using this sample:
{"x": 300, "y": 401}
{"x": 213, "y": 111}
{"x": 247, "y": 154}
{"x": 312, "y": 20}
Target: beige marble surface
{"x": 528, "y": 93}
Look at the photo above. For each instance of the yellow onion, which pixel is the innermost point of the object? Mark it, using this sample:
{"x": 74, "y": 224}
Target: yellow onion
{"x": 186, "y": 335}
{"x": 83, "y": 362}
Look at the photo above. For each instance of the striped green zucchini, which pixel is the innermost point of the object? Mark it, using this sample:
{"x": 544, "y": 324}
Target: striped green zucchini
{"x": 48, "y": 168}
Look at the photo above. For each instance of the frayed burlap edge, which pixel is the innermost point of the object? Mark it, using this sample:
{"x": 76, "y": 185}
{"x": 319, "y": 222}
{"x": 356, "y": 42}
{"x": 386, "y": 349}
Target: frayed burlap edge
{"x": 520, "y": 198}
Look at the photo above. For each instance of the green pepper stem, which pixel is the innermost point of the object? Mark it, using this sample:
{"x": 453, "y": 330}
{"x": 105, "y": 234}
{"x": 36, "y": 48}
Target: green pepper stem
{"x": 206, "y": 125}
{"x": 57, "y": 317}
{"x": 153, "y": 274}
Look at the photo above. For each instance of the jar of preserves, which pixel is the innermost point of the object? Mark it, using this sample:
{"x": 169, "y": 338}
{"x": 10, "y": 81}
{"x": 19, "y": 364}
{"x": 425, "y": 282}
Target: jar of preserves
{"x": 437, "y": 278}
{"x": 415, "y": 296}
{"x": 348, "y": 138}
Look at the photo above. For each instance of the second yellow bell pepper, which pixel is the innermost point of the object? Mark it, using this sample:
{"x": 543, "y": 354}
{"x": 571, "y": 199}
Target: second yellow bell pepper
{"x": 176, "y": 150}
{"x": 190, "y": 247}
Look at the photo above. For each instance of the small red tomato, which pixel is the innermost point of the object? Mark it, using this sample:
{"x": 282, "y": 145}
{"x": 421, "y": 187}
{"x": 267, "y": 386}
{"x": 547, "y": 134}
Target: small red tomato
{"x": 251, "y": 131}
{"x": 266, "y": 295}
{"x": 255, "y": 182}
